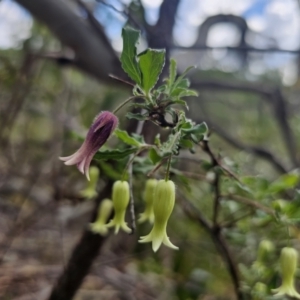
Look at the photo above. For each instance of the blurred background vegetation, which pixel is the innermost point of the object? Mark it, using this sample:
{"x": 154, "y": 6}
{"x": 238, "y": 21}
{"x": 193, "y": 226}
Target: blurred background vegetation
{"x": 55, "y": 61}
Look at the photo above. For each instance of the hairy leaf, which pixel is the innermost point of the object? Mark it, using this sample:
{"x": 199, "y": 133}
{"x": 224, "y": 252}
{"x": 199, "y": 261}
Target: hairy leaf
{"x": 153, "y": 155}
{"x": 139, "y": 117}
{"x": 126, "y": 138}
{"x": 151, "y": 63}
{"x": 114, "y": 154}
{"x": 128, "y": 56}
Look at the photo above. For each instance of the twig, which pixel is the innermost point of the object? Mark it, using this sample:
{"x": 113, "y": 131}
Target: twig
{"x": 239, "y": 48}
{"x": 273, "y": 97}
{"x": 249, "y": 202}
{"x": 121, "y": 12}
{"x": 232, "y": 222}
{"x": 157, "y": 167}
{"x": 260, "y": 152}
{"x": 138, "y": 130}
{"x": 281, "y": 116}
{"x": 196, "y": 176}
{"x": 124, "y": 103}
{"x": 216, "y": 181}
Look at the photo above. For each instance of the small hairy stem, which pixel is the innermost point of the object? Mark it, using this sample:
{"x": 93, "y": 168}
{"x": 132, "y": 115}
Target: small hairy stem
{"x": 124, "y": 103}
{"x": 168, "y": 168}
{"x": 156, "y": 167}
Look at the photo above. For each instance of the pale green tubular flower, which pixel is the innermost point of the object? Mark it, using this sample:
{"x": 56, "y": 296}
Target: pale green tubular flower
{"x": 163, "y": 204}
{"x": 288, "y": 265}
{"x": 265, "y": 250}
{"x": 120, "y": 198}
{"x": 90, "y": 191}
{"x": 104, "y": 211}
{"x": 148, "y": 214}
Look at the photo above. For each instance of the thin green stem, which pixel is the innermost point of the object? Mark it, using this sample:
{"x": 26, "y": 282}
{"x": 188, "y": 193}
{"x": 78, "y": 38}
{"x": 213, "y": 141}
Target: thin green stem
{"x": 124, "y": 103}
{"x": 288, "y": 236}
{"x": 168, "y": 168}
{"x": 130, "y": 161}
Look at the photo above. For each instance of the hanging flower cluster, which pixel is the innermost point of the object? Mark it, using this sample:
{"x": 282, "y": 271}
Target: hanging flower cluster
{"x": 160, "y": 200}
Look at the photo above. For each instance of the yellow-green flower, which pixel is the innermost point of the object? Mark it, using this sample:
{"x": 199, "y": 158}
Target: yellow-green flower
{"x": 288, "y": 265}
{"x": 265, "y": 250}
{"x": 120, "y": 198}
{"x": 259, "y": 291}
{"x": 148, "y": 214}
{"x": 104, "y": 211}
{"x": 90, "y": 191}
{"x": 163, "y": 204}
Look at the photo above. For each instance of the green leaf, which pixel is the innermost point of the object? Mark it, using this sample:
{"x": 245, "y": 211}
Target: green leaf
{"x": 188, "y": 93}
{"x": 284, "y": 182}
{"x": 173, "y": 71}
{"x": 155, "y": 158}
{"x": 128, "y": 56}
{"x": 140, "y": 105}
{"x": 151, "y": 63}
{"x": 126, "y": 138}
{"x": 114, "y": 154}
{"x": 138, "y": 138}
{"x": 185, "y": 143}
{"x": 142, "y": 165}
{"x": 181, "y": 102}
{"x": 183, "y": 83}
{"x": 180, "y": 78}
{"x": 139, "y": 117}
{"x": 197, "y": 129}
{"x": 110, "y": 171}
{"x": 171, "y": 146}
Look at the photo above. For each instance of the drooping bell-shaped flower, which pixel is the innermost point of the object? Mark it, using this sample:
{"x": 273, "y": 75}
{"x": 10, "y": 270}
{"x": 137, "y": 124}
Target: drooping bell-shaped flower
{"x": 148, "y": 214}
{"x": 120, "y": 198}
{"x": 265, "y": 250}
{"x": 104, "y": 211}
{"x": 259, "y": 291}
{"x": 163, "y": 204}
{"x": 288, "y": 265}
{"x": 101, "y": 129}
{"x": 90, "y": 191}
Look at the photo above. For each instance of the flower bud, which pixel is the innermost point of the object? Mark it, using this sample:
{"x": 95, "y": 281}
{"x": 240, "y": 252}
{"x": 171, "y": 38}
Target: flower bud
{"x": 120, "y": 198}
{"x": 279, "y": 205}
{"x": 288, "y": 265}
{"x": 104, "y": 211}
{"x": 259, "y": 291}
{"x": 148, "y": 214}
{"x": 265, "y": 250}
{"x": 90, "y": 191}
{"x": 163, "y": 204}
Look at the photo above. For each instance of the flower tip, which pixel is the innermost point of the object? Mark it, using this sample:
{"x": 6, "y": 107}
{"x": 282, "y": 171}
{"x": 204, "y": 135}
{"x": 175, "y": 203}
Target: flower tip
{"x": 156, "y": 245}
{"x": 117, "y": 229}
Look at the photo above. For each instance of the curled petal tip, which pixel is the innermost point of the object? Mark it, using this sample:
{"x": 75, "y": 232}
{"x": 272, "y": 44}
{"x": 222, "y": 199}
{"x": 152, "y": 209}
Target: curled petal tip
{"x": 87, "y": 176}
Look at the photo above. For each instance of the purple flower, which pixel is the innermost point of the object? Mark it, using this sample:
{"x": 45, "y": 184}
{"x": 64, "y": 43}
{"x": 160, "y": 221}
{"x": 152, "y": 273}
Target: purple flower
{"x": 101, "y": 129}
